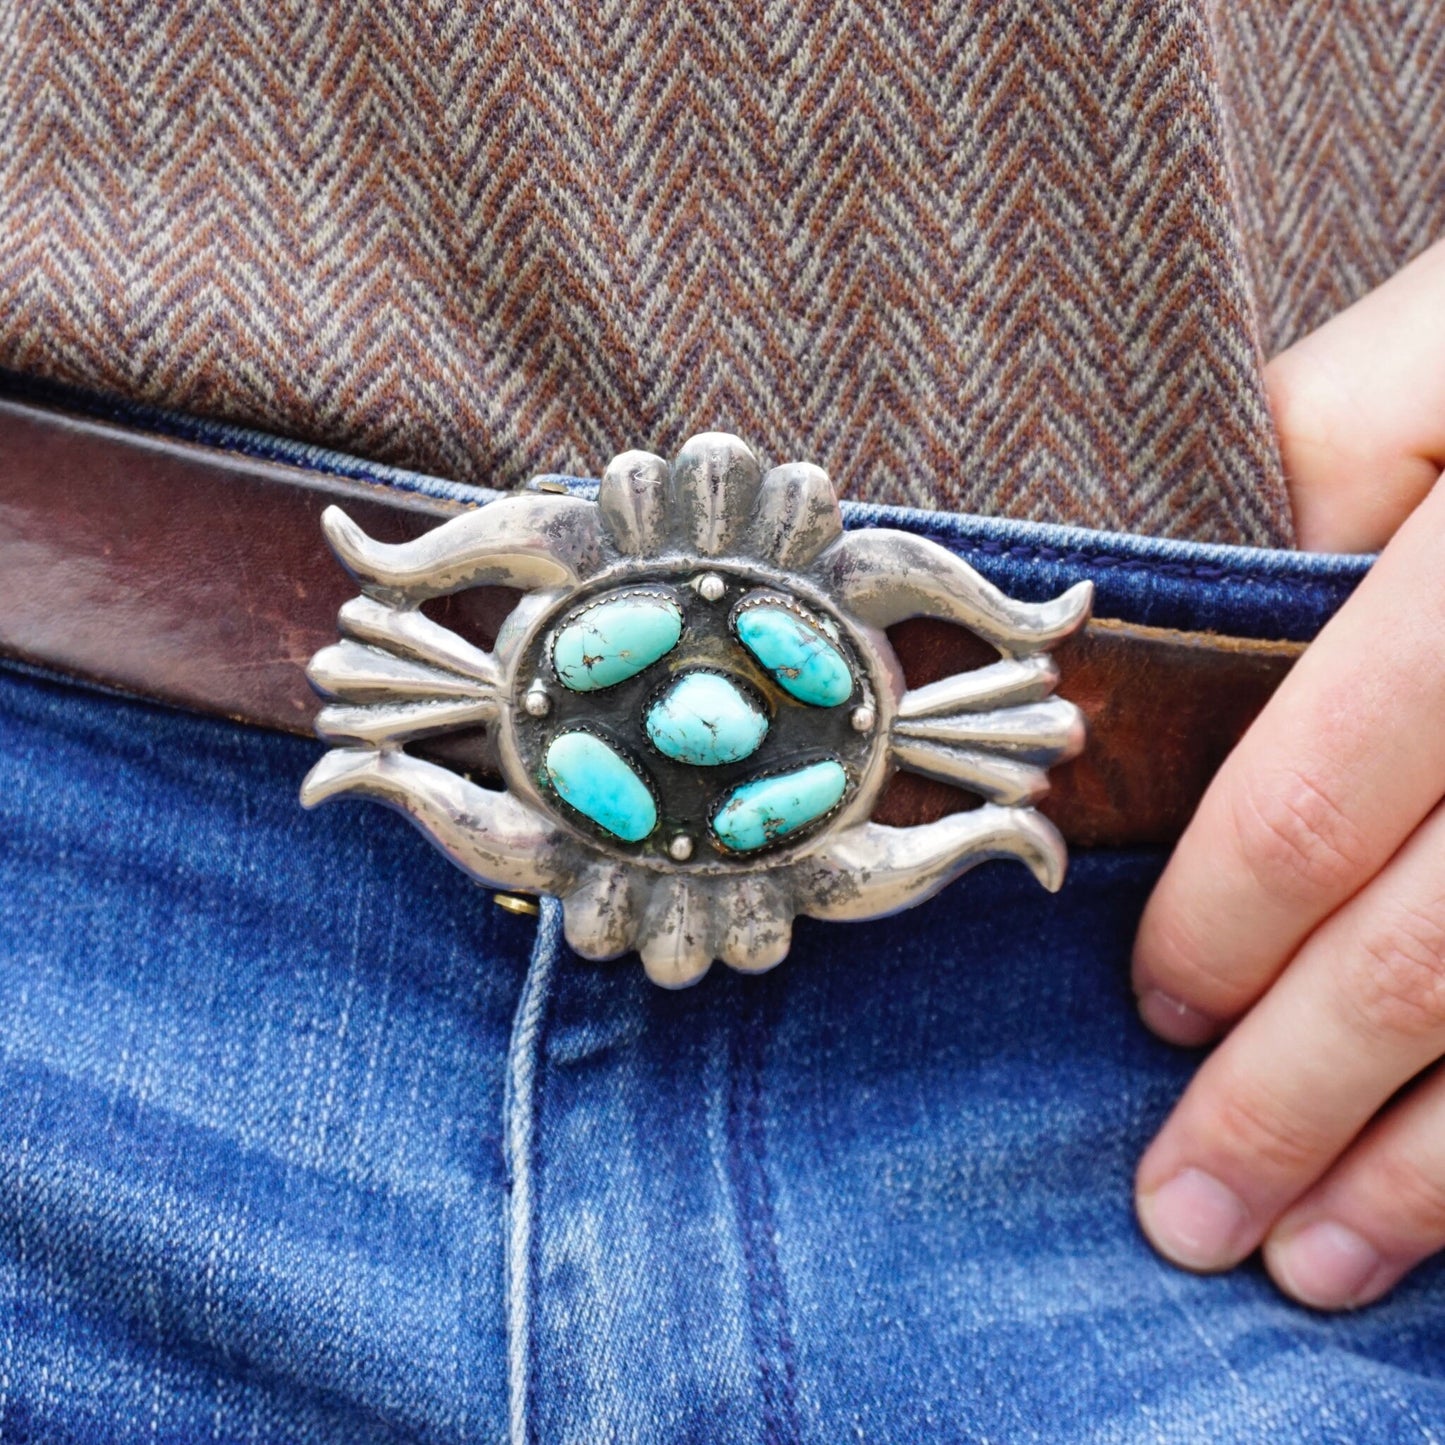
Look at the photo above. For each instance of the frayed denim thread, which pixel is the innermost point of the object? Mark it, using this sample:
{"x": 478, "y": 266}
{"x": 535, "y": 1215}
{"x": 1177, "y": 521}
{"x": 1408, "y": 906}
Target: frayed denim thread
{"x": 520, "y": 1106}
{"x": 757, "y": 1223}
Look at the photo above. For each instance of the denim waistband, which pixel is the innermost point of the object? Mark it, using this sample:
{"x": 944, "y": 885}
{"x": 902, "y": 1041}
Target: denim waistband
{"x": 1158, "y": 582}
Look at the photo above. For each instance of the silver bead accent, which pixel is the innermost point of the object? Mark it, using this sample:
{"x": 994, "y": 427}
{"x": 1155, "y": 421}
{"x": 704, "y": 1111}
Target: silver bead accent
{"x": 680, "y": 848}
{"x": 537, "y": 703}
{"x": 863, "y": 719}
{"x": 710, "y": 587}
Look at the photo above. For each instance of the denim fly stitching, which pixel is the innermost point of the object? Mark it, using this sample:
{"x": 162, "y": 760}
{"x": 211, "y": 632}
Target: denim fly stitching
{"x": 757, "y": 1221}
{"x": 524, "y": 1054}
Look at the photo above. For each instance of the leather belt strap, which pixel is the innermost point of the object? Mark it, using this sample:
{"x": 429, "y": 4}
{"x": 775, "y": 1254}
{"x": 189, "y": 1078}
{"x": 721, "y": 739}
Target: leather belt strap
{"x": 198, "y": 576}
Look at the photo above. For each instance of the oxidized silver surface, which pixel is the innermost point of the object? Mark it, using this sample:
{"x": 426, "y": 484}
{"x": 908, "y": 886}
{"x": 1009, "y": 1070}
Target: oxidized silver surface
{"x": 708, "y": 531}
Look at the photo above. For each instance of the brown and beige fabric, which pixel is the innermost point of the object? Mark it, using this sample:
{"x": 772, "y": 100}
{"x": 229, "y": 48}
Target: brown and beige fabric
{"x": 1012, "y": 257}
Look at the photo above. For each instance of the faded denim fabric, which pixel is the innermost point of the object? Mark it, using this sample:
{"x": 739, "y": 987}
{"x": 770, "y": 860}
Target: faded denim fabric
{"x": 302, "y": 1139}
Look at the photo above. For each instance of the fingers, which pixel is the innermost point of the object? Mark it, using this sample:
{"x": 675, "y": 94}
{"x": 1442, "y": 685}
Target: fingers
{"x": 1335, "y": 773}
{"x": 1377, "y": 1214}
{"x": 1302, "y": 898}
{"x": 1358, "y": 1013}
{"x": 1360, "y": 410}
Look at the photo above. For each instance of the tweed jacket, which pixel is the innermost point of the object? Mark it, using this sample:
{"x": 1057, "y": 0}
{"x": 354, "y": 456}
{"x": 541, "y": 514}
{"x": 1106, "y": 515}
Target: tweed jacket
{"x": 994, "y": 255}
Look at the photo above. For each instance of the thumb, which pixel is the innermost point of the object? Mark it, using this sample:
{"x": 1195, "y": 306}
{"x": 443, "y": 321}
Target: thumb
{"x": 1360, "y": 410}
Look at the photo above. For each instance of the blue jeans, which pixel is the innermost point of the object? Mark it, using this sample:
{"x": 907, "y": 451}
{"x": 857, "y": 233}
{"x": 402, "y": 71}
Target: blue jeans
{"x": 303, "y": 1139}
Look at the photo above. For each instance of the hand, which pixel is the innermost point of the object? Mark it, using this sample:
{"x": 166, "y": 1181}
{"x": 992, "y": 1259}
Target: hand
{"x": 1302, "y": 915}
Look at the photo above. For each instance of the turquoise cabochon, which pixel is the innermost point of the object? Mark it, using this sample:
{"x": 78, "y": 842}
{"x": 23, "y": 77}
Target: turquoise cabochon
{"x": 594, "y": 778}
{"x": 706, "y": 719}
{"x": 613, "y": 640}
{"x": 768, "y": 809}
{"x": 797, "y": 654}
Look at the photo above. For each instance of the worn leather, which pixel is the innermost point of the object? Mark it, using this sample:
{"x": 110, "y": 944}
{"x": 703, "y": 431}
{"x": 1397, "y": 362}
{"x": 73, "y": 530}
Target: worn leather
{"x": 199, "y": 577}
{"x": 1164, "y": 708}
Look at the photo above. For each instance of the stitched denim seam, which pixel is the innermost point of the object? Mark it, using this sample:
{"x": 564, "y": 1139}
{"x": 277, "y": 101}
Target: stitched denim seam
{"x": 239, "y": 440}
{"x": 524, "y": 1055}
{"x": 757, "y": 1227}
{"x": 1104, "y": 562}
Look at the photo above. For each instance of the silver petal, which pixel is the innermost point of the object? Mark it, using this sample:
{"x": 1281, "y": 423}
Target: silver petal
{"x": 759, "y": 925}
{"x": 797, "y": 515}
{"x": 1001, "y": 684}
{"x": 600, "y": 915}
{"x": 633, "y": 499}
{"x": 374, "y": 724}
{"x": 999, "y": 780}
{"x": 359, "y": 673}
{"x": 675, "y": 940}
{"x": 414, "y": 635}
{"x": 1041, "y": 732}
{"x": 715, "y": 480}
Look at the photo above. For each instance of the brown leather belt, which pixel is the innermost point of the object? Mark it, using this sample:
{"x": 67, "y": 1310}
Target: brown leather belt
{"x": 198, "y": 577}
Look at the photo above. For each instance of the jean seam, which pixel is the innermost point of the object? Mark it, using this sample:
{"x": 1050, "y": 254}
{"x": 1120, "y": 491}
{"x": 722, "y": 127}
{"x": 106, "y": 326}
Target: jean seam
{"x": 520, "y": 1104}
{"x": 768, "y": 1311}
{"x": 1105, "y": 562}
{"x": 239, "y": 440}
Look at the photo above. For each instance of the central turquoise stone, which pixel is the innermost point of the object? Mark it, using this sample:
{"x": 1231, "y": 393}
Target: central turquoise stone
{"x": 612, "y": 641}
{"x": 602, "y": 785}
{"x": 767, "y": 809}
{"x": 800, "y": 657}
{"x": 707, "y": 720}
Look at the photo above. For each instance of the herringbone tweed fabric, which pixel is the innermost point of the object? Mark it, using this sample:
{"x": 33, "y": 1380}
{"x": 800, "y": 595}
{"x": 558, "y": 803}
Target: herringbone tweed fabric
{"x": 1016, "y": 256}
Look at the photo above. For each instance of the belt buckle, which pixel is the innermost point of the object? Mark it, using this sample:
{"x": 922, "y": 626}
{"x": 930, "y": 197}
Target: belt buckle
{"x": 694, "y": 707}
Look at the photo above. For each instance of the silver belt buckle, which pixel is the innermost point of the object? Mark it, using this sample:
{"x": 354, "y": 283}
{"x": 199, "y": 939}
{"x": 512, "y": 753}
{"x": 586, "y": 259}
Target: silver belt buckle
{"x": 694, "y": 708}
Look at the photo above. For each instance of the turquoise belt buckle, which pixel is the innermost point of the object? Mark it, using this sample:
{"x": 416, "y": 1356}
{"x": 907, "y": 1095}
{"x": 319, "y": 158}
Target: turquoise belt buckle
{"x": 694, "y": 708}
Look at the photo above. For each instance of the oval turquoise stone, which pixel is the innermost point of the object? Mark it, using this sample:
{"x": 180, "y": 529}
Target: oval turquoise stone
{"x": 615, "y": 640}
{"x": 758, "y": 813}
{"x": 601, "y": 784}
{"x": 797, "y": 654}
{"x": 707, "y": 720}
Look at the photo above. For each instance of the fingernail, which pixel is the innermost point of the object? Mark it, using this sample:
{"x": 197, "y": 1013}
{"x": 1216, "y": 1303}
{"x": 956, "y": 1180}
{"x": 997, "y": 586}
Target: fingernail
{"x": 1196, "y": 1221}
{"x": 1174, "y": 1020}
{"x": 1328, "y": 1265}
